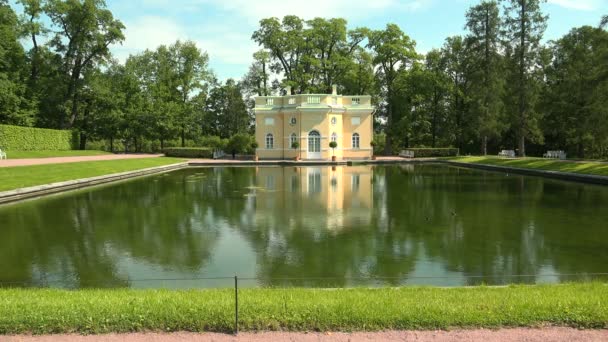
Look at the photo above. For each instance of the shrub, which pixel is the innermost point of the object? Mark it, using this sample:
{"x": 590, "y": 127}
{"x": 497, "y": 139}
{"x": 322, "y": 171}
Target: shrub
{"x": 213, "y": 142}
{"x": 240, "y": 143}
{"x": 16, "y": 138}
{"x": 433, "y": 152}
{"x": 189, "y": 152}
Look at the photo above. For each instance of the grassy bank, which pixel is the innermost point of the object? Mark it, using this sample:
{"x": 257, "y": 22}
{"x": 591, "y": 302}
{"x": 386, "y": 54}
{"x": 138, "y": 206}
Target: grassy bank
{"x": 24, "y": 176}
{"x": 49, "y": 154}
{"x": 583, "y": 167}
{"x": 100, "y": 311}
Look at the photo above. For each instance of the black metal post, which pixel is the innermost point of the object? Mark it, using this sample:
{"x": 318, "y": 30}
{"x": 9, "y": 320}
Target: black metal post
{"x": 236, "y": 305}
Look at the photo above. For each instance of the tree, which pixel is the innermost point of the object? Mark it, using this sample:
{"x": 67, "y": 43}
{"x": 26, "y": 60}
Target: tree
{"x": 576, "y": 99}
{"x": 226, "y": 112}
{"x": 359, "y": 78}
{"x": 458, "y": 69}
{"x": 15, "y": 107}
{"x": 86, "y": 30}
{"x": 257, "y": 78}
{"x": 239, "y": 143}
{"x": 33, "y": 27}
{"x": 487, "y": 83}
{"x": 313, "y": 54}
{"x": 604, "y": 21}
{"x": 393, "y": 51}
{"x": 525, "y": 25}
{"x": 192, "y": 74}
{"x": 332, "y": 145}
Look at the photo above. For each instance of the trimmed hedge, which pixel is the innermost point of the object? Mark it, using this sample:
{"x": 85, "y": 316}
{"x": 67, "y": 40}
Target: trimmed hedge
{"x": 189, "y": 152}
{"x": 16, "y": 138}
{"x": 433, "y": 152}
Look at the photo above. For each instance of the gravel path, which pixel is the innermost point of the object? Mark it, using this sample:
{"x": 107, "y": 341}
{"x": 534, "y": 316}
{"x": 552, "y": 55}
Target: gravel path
{"x": 501, "y": 335}
{"x": 56, "y": 160}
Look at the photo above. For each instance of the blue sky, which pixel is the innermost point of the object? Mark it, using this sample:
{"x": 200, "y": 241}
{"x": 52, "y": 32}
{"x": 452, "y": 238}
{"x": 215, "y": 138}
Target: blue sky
{"x": 223, "y": 28}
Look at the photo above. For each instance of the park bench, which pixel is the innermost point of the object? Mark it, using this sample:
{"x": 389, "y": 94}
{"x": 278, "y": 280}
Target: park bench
{"x": 217, "y": 154}
{"x": 406, "y": 154}
{"x": 507, "y": 153}
{"x": 2, "y": 154}
{"x": 555, "y": 154}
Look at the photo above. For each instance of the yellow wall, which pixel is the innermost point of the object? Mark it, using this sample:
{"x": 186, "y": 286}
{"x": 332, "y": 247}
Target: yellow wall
{"x": 315, "y": 118}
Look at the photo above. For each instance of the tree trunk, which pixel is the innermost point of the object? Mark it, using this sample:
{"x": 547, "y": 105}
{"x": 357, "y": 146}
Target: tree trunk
{"x": 522, "y": 145}
{"x": 112, "y": 144}
{"x": 522, "y": 82}
{"x": 183, "y": 134}
{"x": 484, "y": 145}
{"x": 388, "y": 148}
{"x": 83, "y": 141}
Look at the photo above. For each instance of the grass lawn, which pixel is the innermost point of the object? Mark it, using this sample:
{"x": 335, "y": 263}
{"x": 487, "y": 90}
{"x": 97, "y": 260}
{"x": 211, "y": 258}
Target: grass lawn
{"x": 591, "y": 168}
{"x": 24, "y": 176}
{"x": 48, "y": 154}
{"x": 121, "y": 310}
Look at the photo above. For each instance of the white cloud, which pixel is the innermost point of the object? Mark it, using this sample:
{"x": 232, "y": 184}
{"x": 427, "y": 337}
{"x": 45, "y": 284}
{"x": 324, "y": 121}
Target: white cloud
{"x": 581, "y": 5}
{"x": 256, "y": 10}
{"x": 226, "y": 36}
{"x": 222, "y": 44}
{"x": 148, "y": 32}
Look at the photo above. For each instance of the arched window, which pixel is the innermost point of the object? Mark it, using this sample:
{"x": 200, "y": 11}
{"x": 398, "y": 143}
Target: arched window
{"x": 292, "y": 139}
{"x": 334, "y": 137}
{"x": 269, "y": 141}
{"x": 356, "y": 140}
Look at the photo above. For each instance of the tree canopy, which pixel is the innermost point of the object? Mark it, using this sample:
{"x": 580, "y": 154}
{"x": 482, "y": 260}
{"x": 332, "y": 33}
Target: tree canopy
{"x": 500, "y": 85}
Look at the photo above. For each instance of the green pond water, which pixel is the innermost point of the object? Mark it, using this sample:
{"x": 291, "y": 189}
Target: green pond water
{"x": 309, "y": 226}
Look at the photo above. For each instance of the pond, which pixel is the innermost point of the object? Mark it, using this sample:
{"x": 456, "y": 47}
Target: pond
{"x": 407, "y": 224}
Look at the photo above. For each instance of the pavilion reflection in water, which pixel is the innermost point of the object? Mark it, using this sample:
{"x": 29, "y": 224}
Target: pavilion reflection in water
{"x": 314, "y": 197}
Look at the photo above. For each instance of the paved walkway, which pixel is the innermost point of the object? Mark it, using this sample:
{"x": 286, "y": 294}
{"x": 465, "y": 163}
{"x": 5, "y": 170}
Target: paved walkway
{"x": 503, "y": 335}
{"x": 56, "y": 160}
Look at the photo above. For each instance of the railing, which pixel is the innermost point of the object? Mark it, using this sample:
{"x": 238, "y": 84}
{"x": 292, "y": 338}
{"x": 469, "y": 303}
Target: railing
{"x": 313, "y": 99}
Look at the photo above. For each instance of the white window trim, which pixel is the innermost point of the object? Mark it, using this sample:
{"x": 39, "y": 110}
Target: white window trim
{"x": 266, "y": 141}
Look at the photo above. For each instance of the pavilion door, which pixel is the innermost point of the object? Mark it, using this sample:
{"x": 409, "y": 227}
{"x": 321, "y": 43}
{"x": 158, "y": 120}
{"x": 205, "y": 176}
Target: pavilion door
{"x": 314, "y": 145}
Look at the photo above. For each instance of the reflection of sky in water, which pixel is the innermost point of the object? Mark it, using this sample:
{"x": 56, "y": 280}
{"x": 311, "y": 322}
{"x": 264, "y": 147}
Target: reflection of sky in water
{"x": 400, "y": 225}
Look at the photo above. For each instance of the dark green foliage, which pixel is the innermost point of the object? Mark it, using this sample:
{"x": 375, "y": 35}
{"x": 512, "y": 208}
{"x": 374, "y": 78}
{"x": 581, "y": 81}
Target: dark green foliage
{"x": 189, "y": 152}
{"x": 433, "y": 152}
{"x": 240, "y": 143}
{"x": 28, "y": 139}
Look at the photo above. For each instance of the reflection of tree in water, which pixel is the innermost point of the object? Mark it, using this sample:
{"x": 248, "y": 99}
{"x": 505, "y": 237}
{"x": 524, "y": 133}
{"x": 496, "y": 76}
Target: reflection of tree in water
{"x": 473, "y": 223}
{"x": 82, "y": 237}
{"x": 497, "y": 225}
{"x": 341, "y": 224}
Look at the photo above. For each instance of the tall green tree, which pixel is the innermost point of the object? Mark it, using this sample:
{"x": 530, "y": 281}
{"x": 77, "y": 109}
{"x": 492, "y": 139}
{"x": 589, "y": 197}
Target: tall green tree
{"x": 226, "y": 112}
{"x": 525, "y": 25}
{"x": 394, "y": 51}
{"x": 33, "y": 27}
{"x": 487, "y": 82}
{"x": 257, "y": 79}
{"x": 576, "y": 101}
{"x": 458, "y": 69}
{"x": 310, "y": 54}
{"x": 86, "y": 29}
{"x": 15, "y": 107}
{"x": 192, "y": 76}
{"x": 359, "y": 78}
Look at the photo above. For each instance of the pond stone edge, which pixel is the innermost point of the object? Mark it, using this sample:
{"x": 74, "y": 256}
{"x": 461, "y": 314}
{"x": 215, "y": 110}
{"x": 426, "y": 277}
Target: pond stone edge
{"x": 568, "y": 176}
{"x": 46, "y": 189}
